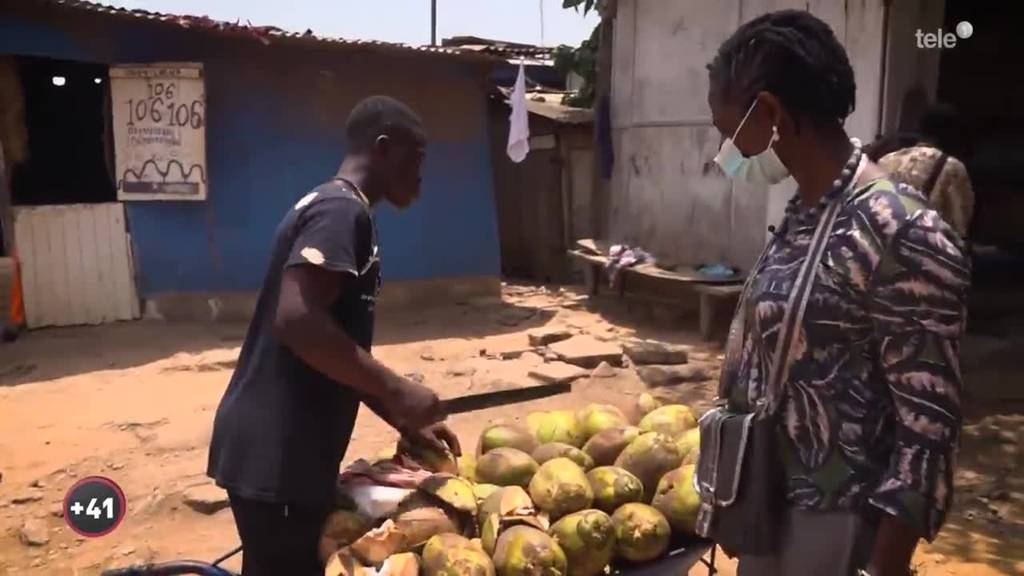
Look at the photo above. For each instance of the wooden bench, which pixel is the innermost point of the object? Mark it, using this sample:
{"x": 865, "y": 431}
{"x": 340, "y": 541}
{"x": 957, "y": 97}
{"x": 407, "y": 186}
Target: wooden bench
{"x": 710, "y": 297}
{"x": 710, "y": 290}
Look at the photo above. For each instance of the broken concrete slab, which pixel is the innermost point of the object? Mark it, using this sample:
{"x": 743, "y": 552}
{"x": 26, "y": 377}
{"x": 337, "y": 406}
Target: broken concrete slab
{"x": 531, "y": 358}
{"x": 646, "y": 352}
{"x": 508, "y": 352}
{"x": 206, "y": 499}
{"x": 34, "y": 533}
{"x": 460, "y": 370}
{"x": 603, "y": 370}
{"x": 655, "y": 376}
{"x": 587, "y": 352}
{"x": 557, "y": 373}
{"x": 27, "y": 497}
{"x": 515, "y": 316}
{"x": 545, "y": 336}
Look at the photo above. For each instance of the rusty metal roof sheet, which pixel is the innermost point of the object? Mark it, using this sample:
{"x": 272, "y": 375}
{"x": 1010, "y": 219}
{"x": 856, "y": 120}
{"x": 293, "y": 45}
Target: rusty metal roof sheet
{"x": 266, "y": 34}
{"x": 549, "y": 105}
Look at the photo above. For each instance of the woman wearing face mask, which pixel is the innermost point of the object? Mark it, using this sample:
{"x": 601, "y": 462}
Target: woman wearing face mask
{"x": 867, "y": 411}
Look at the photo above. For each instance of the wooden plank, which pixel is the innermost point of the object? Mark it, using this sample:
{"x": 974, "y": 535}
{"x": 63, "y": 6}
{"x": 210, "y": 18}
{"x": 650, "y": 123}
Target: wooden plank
{"x": 123, "y": 293}
{"x": 91, "y": 294}
{"x": 104, "y": 264}
{"x": 41, "y": 254}
{"x": 25, "y": 245}
{"x": 77, "y": 312}
{"x": 58, "y": 269}
{"x": 717, "y": 290}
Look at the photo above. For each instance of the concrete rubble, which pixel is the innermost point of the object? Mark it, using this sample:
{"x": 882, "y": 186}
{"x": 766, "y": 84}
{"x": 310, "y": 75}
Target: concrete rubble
{"x": 546, "y": 336}
{"x": 557, "y": 373}
{"x": 646, "y": 352}
{"x": 34, "y": 533}
{"x": 206, "y": 499}
{"x": 603, "y": 370}
{"x": 587, "y": 352}
{"x": 657, "y": 376}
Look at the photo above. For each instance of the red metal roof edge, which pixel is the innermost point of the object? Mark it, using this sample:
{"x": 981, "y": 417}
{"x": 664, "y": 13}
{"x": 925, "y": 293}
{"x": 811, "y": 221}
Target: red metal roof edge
{"x": 265, "y": 34}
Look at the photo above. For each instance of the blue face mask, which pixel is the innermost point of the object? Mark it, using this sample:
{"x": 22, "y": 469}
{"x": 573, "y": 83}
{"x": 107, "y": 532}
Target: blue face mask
{"x": 763, "y": 169}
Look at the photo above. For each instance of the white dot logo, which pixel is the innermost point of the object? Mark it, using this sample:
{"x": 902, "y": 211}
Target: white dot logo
{"x": 964, "y": 30}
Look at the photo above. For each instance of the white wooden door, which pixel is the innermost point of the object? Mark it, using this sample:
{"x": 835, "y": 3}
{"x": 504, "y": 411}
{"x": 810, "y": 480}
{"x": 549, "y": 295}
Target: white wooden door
{"x": 76, "y": 265}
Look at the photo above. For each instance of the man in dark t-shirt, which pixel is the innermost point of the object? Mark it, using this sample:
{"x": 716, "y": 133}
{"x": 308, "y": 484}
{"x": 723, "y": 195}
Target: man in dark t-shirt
{"x": 284, "y": 423}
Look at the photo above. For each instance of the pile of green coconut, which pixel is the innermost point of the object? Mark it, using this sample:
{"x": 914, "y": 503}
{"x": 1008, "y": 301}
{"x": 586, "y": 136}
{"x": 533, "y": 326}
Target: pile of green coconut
{"x": 569, "y": 494}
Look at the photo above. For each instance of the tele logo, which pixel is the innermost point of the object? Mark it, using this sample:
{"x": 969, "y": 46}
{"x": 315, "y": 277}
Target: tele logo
{"x": 944, "y": 40}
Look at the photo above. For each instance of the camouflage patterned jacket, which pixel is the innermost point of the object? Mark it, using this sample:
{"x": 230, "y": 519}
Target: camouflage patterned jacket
{"x": 871, "y": 407}
{"x": 952, "y": 197}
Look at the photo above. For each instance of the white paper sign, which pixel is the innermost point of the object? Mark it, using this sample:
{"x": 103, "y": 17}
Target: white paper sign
{"x": 159, "y": 115}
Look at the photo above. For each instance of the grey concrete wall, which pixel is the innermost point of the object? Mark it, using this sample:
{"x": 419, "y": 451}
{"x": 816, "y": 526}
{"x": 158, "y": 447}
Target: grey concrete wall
{"x": 666, "y": 194}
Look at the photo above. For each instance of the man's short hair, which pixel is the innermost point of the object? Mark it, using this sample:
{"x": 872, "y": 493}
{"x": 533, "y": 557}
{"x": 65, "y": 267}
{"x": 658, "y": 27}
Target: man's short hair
{"x": 379, "y": 115}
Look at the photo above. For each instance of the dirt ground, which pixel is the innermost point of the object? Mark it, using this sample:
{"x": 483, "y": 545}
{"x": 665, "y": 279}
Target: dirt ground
{"x": 135, "y": 402}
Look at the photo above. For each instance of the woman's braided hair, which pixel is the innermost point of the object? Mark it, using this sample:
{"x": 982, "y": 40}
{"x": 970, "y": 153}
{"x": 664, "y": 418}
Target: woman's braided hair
{"x": 793, "y": 55}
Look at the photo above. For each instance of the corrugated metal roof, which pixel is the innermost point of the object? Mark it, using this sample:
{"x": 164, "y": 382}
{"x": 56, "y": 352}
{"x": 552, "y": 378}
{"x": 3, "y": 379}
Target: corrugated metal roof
{"x": 264, "y": 34}
{"x": 499, "y": 48}
{"x": 549, "y": 105}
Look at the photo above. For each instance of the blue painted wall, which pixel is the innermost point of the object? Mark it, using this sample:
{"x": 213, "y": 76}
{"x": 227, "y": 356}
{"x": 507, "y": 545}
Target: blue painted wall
{"x": 275, "y": 117}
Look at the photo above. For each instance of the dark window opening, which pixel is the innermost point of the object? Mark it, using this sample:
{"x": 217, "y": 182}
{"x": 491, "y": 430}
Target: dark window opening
{"x": 69, "y": 145}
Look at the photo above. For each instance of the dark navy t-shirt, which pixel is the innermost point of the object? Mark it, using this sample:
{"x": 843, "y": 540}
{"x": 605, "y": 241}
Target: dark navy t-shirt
{"x": 282, "y": 427}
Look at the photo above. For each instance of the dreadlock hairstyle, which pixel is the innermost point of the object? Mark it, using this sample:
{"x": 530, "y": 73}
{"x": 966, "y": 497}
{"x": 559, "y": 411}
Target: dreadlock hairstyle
{"x": 793, "y": 55}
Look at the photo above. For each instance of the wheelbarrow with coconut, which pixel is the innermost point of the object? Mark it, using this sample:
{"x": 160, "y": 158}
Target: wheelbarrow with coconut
{"x": 412, "y": 514}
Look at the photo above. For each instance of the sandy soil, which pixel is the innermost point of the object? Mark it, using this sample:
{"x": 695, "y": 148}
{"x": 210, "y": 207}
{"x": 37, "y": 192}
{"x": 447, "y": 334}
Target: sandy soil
{"x": 135, "y": 402}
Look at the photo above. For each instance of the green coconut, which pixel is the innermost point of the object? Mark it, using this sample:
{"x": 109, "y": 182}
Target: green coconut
{"x": 505, "y": 467}
{"x": 645, "y": 404}
{"x": 677, "y": 499}
{"x": 553, "y": 450}
{"x": 430, "y": 459}
{"x": 614, "y": 487}
{"x": 557, "y": 426}
{"x": 421, "y": 524}
{"x": 689, "y": 442}
{"x": 451, "y": 555}
{"x": 604, "y": 447}
{"x": 494, "y": 526}
{"x": 650, "y": 457}
{"x": 526, "y": 551}
{"x": 506, "y": 436}
{"x": 482, "y": 491}
{"x": 598, "y": 418}
{"x": 560, "y": 487}
{"x": 588, "y": 540}
{"x": 672, "y": 420}
{"x": 341, "y": 528}
{"x": 467, "y": 467}
{"x": 641, "y": 532}
{"x": 507, "y": 501}
{"x": 452, "y": 490}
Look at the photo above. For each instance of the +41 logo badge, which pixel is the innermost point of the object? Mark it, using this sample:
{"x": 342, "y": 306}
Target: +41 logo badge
{"x": 94, "y": 506}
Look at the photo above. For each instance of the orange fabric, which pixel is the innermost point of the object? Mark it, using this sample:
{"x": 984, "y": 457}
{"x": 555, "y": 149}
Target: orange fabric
{"x": 17, "y": 303}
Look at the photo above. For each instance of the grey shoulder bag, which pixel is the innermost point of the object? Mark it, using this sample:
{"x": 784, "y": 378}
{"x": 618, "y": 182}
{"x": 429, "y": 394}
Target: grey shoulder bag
{"x": 740, "y": 476}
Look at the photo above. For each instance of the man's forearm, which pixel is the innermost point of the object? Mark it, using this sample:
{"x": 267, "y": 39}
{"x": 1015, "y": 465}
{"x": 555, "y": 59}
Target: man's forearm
{"x": 319, "y": 342}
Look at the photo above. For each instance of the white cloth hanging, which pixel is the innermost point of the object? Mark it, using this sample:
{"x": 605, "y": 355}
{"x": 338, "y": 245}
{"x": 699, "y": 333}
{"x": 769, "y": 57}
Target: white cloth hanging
{"x": 519, "y": 122}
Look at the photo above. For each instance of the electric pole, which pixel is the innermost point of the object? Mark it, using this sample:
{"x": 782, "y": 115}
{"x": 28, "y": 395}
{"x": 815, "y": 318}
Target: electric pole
{"x": 433, "y": 22}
